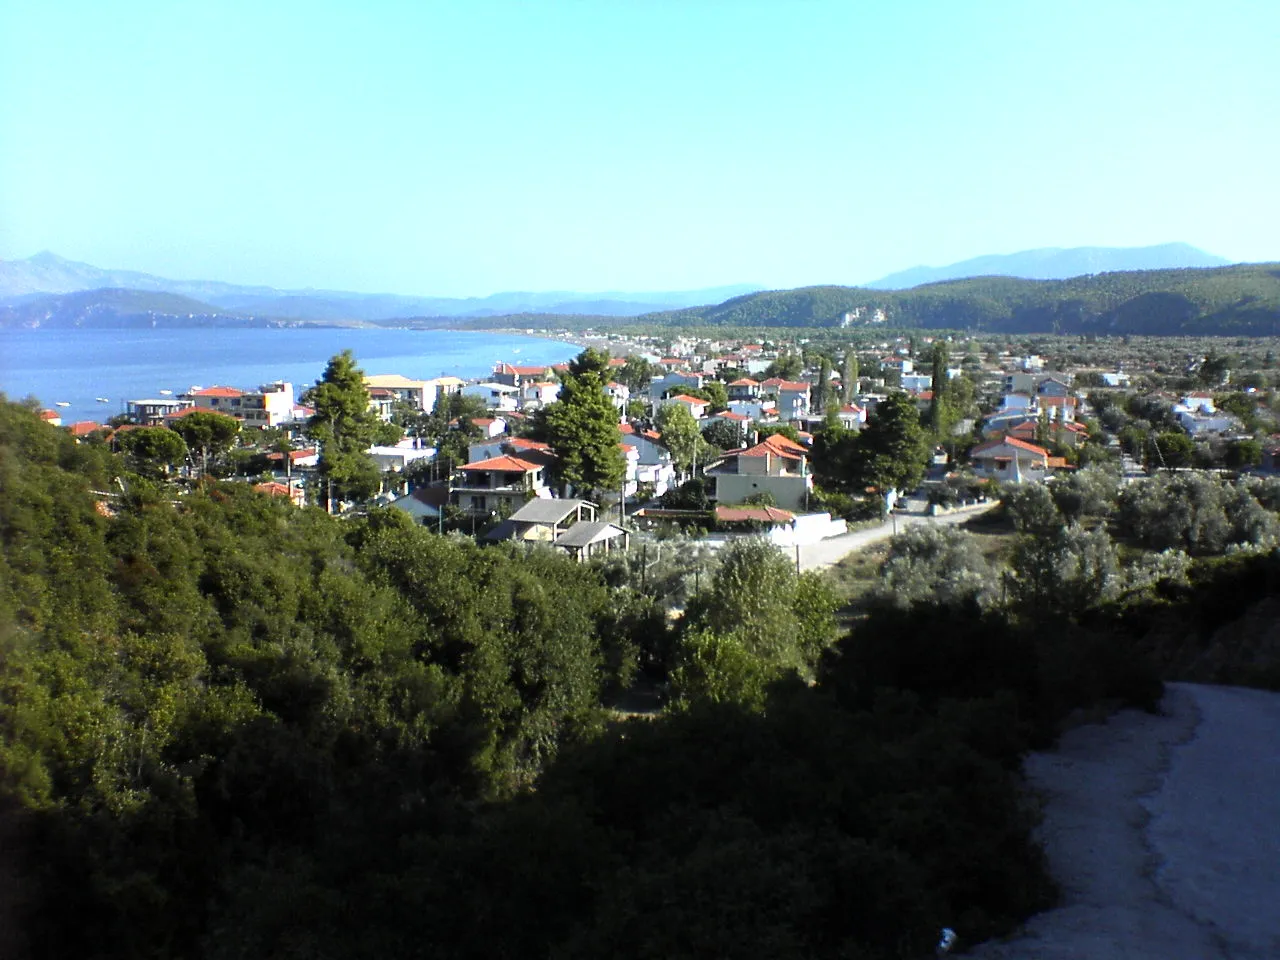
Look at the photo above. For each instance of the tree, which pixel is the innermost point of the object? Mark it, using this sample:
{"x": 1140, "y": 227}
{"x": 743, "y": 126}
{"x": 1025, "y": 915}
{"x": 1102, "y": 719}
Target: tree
{"x": 1170, "y": 449}
{"x": 757, "y": 621}
{"x": 892, "y": 450}
{"x": 209, "y": 433}
{"x": 582, "y": 426}
{"x": 153, "y": 451}
{"x": 636, "y": 373}
{"x": 1243, "y": 453}
{"x": 787, "y": 367}
{"x": 1031, "y": 507}
{"x": 932, "y": 564}
{"x": 938, "y": 405}
{"x": 680, "y": 435}
{"x": 822, "y": 389}
{"x": 1065, "y": 573}
{"x": 345, "y": 427}
{"x": 849, "y": 376}
{"x": 722, "y": 434}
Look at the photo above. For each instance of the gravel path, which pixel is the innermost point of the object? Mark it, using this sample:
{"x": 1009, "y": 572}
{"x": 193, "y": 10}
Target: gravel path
{"x": 1164, "y": 834}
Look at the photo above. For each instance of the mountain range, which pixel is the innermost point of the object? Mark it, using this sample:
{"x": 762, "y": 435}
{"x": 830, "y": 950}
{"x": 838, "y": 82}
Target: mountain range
{"x": 1055, "y": 263}
{"x": 1241, "y": 300}
{"x": 47, "y": 273}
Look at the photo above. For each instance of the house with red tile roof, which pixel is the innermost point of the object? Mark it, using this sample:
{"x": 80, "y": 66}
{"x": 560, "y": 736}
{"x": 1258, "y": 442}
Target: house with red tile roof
{"x": 85, "y": 428}
{"x": 296, "y": 495}
{"x": 776, "y": 466}
{"x": 695, "y": 405}
{"x": 500, "y": 484}
{"x": 1010, "y": 460}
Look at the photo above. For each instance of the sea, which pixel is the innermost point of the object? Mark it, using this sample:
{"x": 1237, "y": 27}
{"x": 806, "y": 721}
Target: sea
{"x": 78, "y": 366}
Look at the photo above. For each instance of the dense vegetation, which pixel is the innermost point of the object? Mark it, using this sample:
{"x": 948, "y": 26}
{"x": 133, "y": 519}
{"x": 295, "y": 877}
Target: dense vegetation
{"x": 232, "y": 728}
{"x": 1239, "y": 300}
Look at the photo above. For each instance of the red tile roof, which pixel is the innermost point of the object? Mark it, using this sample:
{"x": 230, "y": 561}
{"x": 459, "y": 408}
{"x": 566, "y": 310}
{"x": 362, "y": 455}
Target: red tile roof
{"x": 218, "y": 392}
{"x": 1013, "y": 442}
{"x": 784, "y": 444}
{"x": 685, "y": 398}
{"x": 82, "y": 428}
{"x": 293, "y": 454}
{"x": 50, "y": 415}
{"x": 753, "y": 514}
{"x": 523, "y": 443}
{"x": 274, "y": 489}
{"x": 766, "y": 449}
{"x": 505, "y": 463}
{"x": 745, "y": 382}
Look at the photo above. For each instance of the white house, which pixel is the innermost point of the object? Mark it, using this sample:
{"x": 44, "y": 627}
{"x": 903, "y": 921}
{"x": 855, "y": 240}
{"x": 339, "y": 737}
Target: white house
{"x": 538, "y": 393}
{"x": 695, "y": 405}
{"x": 419, "y": 394}
{"x": 400, "y": 455}
{"x": 496, "y": 396}
{"x": 851, "y": 416}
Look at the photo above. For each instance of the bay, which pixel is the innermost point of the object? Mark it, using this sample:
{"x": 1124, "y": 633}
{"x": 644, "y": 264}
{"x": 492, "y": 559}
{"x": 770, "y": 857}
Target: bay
{"x": 76, "y": 366}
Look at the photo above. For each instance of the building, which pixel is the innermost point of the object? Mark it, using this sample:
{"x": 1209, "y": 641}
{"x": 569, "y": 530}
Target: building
{"x": 502, "y": 483}
{"x": 496, "y": 396}
{"x": 515, "y": 376}
{"x": 419, "y": 394}
{"x": 695, "y": 405}
{"x": 1010, "y": 460}
{"x": 544, "y": 521}
{"x": 151, "y": 413}
{"x": 776, "y": 466}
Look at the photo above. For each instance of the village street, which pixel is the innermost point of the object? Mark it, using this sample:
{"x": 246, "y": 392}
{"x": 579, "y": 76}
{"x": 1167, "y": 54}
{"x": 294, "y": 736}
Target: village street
{"x": 827, "y": 553}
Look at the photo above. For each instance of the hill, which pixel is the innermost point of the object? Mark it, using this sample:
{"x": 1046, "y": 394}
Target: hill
{"x": 47, "y": 273}
{"x": 1055, "y": 263}
{"x": 1241, "y": 300}
{"x": 118, "y": 308}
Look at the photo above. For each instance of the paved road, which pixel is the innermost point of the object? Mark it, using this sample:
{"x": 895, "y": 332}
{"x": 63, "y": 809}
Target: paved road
{"x": 1164, "y": 834}
{"x": 826, "y": 553}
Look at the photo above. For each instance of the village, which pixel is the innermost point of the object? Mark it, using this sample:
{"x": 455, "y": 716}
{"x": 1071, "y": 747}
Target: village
{"x": 723, "y": 438}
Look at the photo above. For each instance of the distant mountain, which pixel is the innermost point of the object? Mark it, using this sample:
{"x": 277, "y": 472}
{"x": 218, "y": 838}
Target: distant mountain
{"x": 47, "y": 273}
{"x": 1240, "y": 300}
{"x": 118, "y": 308}
{"x": 1055, "y": 263}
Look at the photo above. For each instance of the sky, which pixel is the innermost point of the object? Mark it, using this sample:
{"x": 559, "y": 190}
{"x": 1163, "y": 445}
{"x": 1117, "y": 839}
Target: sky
{"x": 460, "y": 149}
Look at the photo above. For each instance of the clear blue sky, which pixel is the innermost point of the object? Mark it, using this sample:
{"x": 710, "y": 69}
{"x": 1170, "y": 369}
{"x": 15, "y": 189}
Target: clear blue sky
{"x": 461, "y": 148}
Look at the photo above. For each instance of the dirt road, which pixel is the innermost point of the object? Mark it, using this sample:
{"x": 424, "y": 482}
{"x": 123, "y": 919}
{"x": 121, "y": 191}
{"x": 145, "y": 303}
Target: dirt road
{"x": 826, "y": 553}
{"x": 1164, "y": 833}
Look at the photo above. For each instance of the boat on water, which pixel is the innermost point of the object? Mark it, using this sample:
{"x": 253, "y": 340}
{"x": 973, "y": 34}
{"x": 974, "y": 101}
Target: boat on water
{"x": 166, "y": 393}
{"x": 103, "y": 399}
{"x": 62, "y": 403}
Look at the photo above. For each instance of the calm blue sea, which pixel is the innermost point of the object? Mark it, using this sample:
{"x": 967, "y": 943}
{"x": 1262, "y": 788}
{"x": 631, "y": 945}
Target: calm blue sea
{"x": 76, "y": 366}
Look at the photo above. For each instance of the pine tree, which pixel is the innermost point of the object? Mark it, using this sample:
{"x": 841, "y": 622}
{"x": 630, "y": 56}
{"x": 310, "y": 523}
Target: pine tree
{"x": 893, "y": 449}
{"x": 582, "y": 426}
{"x": 345, "y": 427}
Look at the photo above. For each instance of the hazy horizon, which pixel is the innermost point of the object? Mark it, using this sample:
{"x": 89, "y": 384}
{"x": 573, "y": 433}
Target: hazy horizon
{"x": 443, "y": 150}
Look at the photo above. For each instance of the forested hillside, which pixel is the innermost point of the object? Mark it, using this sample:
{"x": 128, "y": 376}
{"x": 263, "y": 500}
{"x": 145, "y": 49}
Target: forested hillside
{"x": 1238, "y": 300}
{"x": 230, "y": 728}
